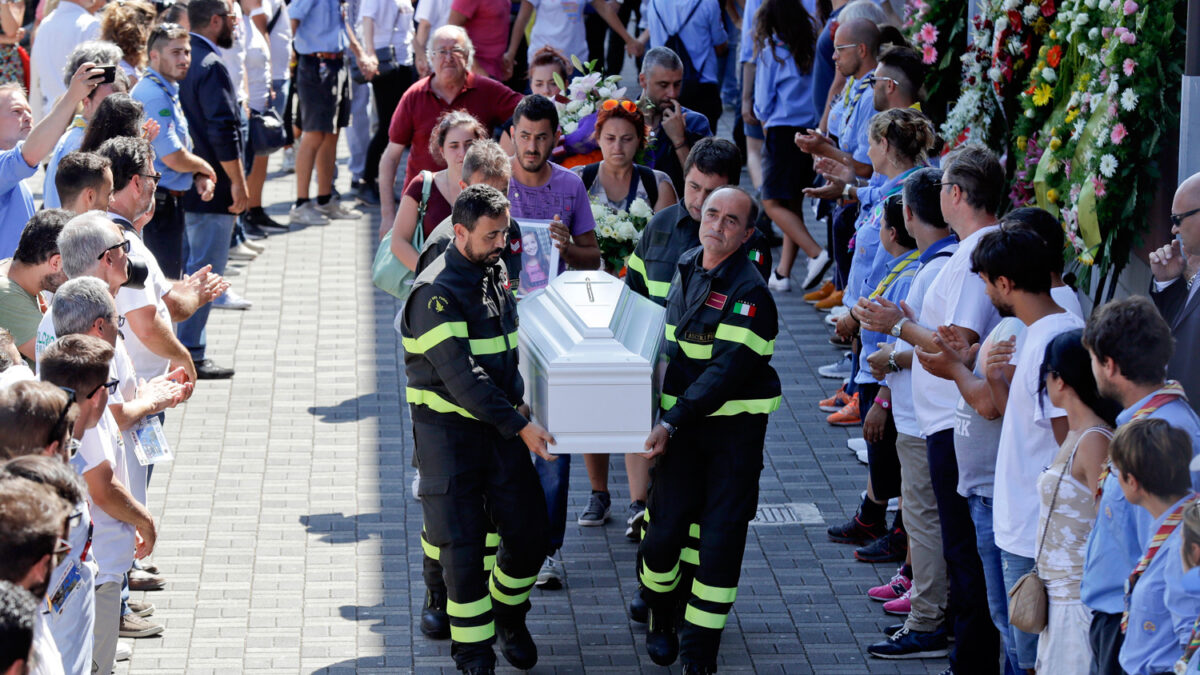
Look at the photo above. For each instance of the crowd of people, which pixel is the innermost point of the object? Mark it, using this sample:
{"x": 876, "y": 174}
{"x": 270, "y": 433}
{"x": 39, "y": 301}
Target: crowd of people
{"x": 1041, "y": 456}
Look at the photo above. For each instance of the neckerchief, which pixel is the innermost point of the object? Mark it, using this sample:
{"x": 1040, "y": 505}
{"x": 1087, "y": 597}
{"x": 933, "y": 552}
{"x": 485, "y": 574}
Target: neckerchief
{"x": 1169, "y": 392}
{"x": 894, "y": 273}
{"x": 1168, "y": 526}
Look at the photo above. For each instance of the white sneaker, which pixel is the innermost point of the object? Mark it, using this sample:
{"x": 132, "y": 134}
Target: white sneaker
{"x": 856, "y": 444}
{"x": 816, "y": 269}
{"x": 838, "y": 370}
{"x": 778, "y": 283}
{"x": 231, "y": 300}
{"x": 289, "y": 160}
{"x": 124, "y": 651}
{"x": 334, "y": 210}
{"x": 553, "y": 574}
{"x": 307, "y": 214}
{"x": 255, "y": 246}
{"x": 893, "y": 504}
{"x": 862, "y": 456}
{"x": 242, "y": 252}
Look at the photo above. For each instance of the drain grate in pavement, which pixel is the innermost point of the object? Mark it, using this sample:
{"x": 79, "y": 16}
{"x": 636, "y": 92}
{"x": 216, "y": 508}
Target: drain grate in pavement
{"x": 788, "y": 514}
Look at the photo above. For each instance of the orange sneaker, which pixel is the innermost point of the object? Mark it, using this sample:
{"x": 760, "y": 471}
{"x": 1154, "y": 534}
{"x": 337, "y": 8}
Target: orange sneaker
{"x": 848, "y": 416}
{"x": 819, "y": 294}
{"x": 833, "y": 300}
{"x": 836, "y": 402}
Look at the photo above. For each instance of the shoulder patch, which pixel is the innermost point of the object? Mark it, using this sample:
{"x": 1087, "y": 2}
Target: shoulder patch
{"x": 165, "y": 112}
{"x": 715, "y": 300}
{"x": 744, "y": 308}
{"x": 437, "y": 303}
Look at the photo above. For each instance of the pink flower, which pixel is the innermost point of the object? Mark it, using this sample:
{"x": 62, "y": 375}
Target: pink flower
{"x": 1100, "y": 187}
{"x": 1128, "y": 67}
{"x": 1130, "y": 7}
{"x": 928, "y": 55}
{"x": 1118, "y": 133}
{"x": 1106, "y": 32}
{"x": 928, "y": 35}
{"x": 1129, "y": 38}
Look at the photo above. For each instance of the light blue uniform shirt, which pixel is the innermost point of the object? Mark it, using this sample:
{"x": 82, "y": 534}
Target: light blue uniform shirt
{"x": 161, "y": 101}
{"x": 701, "y": 34}
{"x": 896, "y": 292}
{"x": 16, "y": 201}
{"x": 68, "y": 143}
{"x": 746, "y": 45}
{"x": 1122, "y": 530}
{"x": 856, "y": 121}
{"x": 1161, "y": 613}
{"x": 782, "y": 94}
{"x": 320, "y": 28}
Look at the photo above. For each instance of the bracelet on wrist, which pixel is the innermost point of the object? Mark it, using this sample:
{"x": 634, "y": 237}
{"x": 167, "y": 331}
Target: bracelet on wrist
{"x": 883, "y": 403}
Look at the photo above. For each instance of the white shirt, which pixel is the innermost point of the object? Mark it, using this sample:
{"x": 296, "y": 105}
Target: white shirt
{"x": 72, "y": 624}
{"x": 436, "y": 12}
{"x": 258, "y": 69}
{"x": 559, "y": 23}
{"x": 45, "y": 336}
{"x": 1068, "y": 299}
{"x": 146, "y": 363}
{"x": 281, "y": 38}
{"x": 113, "y": 541}
{"x": 234, "y": 58}
{"x": 392, "y": 26}
{"x": 1027, "y": 444}
{"x": 46, "y": 658}
{"x": 68, "y": 26}
{"x": 900, "y": 382}
{"x": 956, "y": 297}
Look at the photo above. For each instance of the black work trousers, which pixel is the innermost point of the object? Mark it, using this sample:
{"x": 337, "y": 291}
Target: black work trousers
{"x": 704, "y": 487}
{"x": 471, "y": 477}
{"x": 165, "y": 232}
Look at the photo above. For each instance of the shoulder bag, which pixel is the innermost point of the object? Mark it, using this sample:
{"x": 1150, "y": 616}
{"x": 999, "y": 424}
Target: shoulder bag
{"x": 386, "y": 56}
{"x": 387, "y": 272}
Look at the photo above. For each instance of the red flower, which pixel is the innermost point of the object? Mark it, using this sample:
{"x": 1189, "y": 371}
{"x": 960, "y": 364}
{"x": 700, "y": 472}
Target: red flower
{"x": 1027, "y": 50}
{"x": 1054, "y": 56}
{"x": 1048, "y": 8}
{"x": 1014, "y": 20}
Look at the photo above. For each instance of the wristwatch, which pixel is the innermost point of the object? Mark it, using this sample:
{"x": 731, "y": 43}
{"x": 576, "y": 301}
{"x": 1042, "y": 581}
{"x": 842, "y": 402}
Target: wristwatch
{"x": 892, "y": 365}
{"x": 846, "y": 190}
{"x": 669, "y": 427}
{"x": 898, "y": 327}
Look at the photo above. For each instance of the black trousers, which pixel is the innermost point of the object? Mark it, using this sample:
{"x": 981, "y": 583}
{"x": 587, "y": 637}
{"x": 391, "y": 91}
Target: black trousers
{"x": 705, "y": 488}
{"x": 597, "y": 30}
{"x": 844, "y": 216}
{"x": 977, "y": 645}
{"x": 1106, "y": 638}
{"x": 471, "y": 478}
{"x": 705, "y": 99}
{"x": 387, "y": 90}
{"x": 164, "y": 234}
{"x": 882, "y": 461}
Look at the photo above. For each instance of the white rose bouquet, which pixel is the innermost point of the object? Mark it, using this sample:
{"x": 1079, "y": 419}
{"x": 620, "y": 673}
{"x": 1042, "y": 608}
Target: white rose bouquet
{"x": 618, "y": 232}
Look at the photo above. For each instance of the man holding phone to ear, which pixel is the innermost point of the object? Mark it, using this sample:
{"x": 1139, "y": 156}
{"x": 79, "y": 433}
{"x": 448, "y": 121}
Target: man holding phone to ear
{"x": 23, "y": 146}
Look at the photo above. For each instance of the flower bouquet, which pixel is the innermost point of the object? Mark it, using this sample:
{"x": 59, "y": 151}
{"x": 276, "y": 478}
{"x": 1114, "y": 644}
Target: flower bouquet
{"x": 618, "y": 232}
{"x": 577, "y": 103}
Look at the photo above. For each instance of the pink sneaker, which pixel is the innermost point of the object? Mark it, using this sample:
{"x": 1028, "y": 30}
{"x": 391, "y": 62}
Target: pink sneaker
{"x": 901, "y": 606}
{"x": 891, "y": 590}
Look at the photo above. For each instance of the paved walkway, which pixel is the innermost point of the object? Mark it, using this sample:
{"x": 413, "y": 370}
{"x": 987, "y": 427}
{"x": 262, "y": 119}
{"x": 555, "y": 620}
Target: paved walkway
{"x": 290, "y": 537}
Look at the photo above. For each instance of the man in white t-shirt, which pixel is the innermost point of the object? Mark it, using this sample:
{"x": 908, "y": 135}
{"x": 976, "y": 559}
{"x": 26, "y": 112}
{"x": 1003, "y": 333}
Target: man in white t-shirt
{"x": 123, "y": 527}
{"x": 972, "y": 188}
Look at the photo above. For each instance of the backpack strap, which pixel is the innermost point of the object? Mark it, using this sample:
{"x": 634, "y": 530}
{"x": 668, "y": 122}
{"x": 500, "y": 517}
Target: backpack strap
{"x": 426, "y": 190}
{"x": 649, "y": 183}
{"x": 589, "y": 174}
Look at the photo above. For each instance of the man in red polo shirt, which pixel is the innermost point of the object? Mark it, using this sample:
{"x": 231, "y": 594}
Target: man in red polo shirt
{"x": 452, "y": 86}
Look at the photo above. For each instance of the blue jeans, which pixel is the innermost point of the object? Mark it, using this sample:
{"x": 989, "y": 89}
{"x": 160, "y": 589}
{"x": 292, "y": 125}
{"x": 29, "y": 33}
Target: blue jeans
{"x": 993, "y": 574}
{"x": 279, "y": 89}
{"x": 358, "y": 134}
{"x": 729, "y": 67}
{"x": 207, "y": 243}
{"x": 1015, "y": 567}
{"x": 556, "y": 481}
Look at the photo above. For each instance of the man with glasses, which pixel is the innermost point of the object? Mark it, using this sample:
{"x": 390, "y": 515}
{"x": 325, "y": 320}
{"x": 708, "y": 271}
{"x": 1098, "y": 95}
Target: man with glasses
{"x": 1176, "y": 269}
{"x": 36, "y": 266}
{"x": 170, "y": 54}
{"x": 451, "y": 86}
{"x": 123, "y": 528}
{"x": 33, "y": 519}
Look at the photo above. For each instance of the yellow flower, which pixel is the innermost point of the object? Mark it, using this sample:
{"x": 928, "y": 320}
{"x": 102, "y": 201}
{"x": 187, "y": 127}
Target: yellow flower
{"x": 1053, "y": 34}
{"x": 1023, "y": 142}
{"x": 1041, "y": 96}
{"x": 1052, "y": 195}
{"x": 1072, "y": 114}
{"x": 1055, "y": 143}
{"x": 1086, "y": 258}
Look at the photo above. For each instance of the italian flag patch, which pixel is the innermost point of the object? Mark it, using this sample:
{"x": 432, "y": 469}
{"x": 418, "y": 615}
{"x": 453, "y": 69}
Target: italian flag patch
{"x": 756, "y": 257}
{"x": 744, "y": 308}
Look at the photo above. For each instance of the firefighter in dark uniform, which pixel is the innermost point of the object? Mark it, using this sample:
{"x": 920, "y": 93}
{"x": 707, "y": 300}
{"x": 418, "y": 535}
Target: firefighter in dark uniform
{"x": 712, "y": 163}
{"x": 459, "y": 328}
{"x": 485, "y": 163}
{"x": 718, "y": 389}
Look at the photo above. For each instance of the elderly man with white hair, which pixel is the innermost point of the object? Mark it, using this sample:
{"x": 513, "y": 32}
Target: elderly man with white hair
{"x": 451, "y": 86}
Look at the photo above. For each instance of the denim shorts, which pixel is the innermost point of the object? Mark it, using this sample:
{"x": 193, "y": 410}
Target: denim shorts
{"x": 323, "y": 90}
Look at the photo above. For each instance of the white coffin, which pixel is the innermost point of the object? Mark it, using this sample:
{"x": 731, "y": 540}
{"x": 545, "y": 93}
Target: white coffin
{"x": 588, "y": 352}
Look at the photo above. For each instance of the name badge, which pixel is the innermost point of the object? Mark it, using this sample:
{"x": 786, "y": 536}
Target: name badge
{"x": 150, "y": 443}
{"x": 66, "y": 585}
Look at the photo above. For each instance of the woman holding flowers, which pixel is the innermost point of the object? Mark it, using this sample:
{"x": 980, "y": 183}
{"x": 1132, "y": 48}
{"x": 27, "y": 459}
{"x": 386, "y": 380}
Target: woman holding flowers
{"x": 617, "y": 181}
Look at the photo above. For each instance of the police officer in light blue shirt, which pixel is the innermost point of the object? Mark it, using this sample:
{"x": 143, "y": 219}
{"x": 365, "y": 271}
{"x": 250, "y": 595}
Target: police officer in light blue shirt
{"x": 698, "y": 25}
{"x": 1130, "y": 345}
{"x": 1152, "y": 459}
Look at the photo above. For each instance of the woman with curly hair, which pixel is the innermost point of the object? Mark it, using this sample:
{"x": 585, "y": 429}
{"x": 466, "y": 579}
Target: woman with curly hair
{"x": 127, "y": 24}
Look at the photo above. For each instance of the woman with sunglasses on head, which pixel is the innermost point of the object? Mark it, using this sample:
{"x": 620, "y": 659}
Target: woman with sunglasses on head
{"x": 1067, "y": 490}
{"x": 617, "y": 181}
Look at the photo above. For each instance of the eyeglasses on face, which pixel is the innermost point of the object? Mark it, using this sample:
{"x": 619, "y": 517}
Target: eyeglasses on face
{"x": 626, "y": 104}
{"x": 62, "y": 416}
{"x": 848, "y": 45}
{"x": 156, "y": 176}
{"x": 111, "y": 385}
{"x": 61, "y": 549}
{"x": 124, "y": 246}
{"x": 1178, "y": 218}
{"x": 447, "y": 52}
{"x": 873, "y": 78}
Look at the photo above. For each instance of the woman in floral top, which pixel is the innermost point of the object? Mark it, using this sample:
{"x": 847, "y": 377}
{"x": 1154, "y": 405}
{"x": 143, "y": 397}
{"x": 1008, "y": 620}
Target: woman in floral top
{"x": 616, "y": 181}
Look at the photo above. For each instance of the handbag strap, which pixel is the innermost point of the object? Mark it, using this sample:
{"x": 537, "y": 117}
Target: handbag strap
{"x": 426, "y": 190}
{"x": 1054, "y": 500}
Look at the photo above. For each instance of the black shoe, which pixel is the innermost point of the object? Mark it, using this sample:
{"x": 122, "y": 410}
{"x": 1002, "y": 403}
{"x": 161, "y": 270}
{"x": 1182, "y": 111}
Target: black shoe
{"x": 911, "y": 644}
{"x": 697, "y": 669}
{"x": 516, "y": 643}
{"x": 480, "y": 670}
{"x": 892, "y": 547}
{"x": 639, "y": 611}
{"x": 264, "y": 222}
{"x": 893, "y": 629}
{"x": 435, "y": 623}
{"x": 366, "y": 192}
{"x": 662, "y": 641}
{"x": 207, "y": 370}
{"x": 856, "y": 531}
{"x": 254, "y": 231}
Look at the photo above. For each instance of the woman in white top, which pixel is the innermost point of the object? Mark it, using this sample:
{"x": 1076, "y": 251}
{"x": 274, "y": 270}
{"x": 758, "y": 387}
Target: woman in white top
{"x": 257, "y": 65}
{"x": 1068, "y": 498}
{"x": 387, "y": 26}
